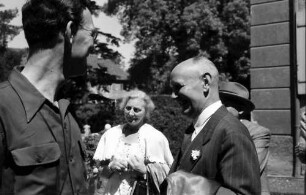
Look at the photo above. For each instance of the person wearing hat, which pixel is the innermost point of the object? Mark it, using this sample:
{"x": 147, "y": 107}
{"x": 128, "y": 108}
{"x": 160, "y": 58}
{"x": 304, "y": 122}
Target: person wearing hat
{"x": 235, "y": 97}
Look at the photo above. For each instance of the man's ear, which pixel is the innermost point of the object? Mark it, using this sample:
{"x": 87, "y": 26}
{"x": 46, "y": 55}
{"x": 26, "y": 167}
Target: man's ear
{"x": 69, "y": 31}
{"x": 206, "y": 79}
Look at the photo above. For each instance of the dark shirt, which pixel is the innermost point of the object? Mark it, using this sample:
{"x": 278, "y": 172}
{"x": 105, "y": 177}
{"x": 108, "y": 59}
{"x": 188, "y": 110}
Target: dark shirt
{"x": 43, "y": 152}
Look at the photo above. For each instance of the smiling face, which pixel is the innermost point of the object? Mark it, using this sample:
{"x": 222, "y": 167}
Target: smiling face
{"x": 188, "y": 91}
{"x": 135, "y": 112}
{"x": 195, "y": 85}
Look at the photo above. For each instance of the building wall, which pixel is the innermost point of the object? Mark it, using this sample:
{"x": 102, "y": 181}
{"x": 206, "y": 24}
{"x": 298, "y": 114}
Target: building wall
{"x": 301, "y": 66}
{"x": 300, "y": 47}
{"x": 271, "y": 81}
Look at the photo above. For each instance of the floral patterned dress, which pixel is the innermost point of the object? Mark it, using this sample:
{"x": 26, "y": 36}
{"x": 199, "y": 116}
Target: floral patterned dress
{"x": 151, "y": 145}
{"x": 122, "y": 183}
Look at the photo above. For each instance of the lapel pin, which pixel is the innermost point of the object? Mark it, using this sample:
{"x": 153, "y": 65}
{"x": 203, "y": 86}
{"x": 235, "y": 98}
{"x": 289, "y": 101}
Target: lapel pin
{"x": 195, "y": 154}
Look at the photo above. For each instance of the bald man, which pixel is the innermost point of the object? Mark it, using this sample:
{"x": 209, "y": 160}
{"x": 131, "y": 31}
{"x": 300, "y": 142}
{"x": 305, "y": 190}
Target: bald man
{"x": 217, "y": 145}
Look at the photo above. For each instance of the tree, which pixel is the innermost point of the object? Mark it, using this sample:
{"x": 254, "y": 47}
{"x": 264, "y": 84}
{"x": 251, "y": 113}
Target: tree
{"x": 8, "y": 58}
{"x": 7, "y": 31}
{"x": 170, "y": 31}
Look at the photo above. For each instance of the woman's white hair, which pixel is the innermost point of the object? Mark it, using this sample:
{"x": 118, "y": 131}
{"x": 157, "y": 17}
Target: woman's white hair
{"x": 136, "y": 93}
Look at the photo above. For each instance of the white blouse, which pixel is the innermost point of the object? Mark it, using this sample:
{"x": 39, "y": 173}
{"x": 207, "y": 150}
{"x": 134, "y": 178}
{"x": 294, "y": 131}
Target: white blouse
{"x": 152, "y": 145}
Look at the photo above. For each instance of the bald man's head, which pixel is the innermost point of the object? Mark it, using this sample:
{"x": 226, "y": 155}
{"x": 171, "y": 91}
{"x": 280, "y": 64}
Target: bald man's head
{"x": 195, "y": 85}
{"x": 198, "y": 67}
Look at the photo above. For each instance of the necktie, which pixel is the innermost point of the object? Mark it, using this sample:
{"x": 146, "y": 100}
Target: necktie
{"x": 187, "y": 137}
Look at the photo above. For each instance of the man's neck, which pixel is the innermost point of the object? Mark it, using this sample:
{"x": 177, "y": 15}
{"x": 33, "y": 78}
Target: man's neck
{"x": 208, "y": 110}
{"x": 44, "y": 70}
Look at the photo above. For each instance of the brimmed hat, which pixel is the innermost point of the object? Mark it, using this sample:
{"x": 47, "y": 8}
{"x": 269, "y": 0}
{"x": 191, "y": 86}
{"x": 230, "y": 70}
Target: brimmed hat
{"x": 235, "y": 92}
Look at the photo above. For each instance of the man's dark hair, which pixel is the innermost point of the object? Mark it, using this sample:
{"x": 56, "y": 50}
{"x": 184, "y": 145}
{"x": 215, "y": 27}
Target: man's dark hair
{"x": 43, "y": 20}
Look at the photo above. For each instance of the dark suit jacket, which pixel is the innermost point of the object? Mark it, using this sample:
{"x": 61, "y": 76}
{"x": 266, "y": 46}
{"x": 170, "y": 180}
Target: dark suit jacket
{"x": 226, "y": 154}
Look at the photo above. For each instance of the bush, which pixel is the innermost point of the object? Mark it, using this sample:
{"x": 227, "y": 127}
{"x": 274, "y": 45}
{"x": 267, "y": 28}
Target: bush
{"x": 92, "y": 166}
{"x": 95, "y": 115}
{"x": 168, "y": 118}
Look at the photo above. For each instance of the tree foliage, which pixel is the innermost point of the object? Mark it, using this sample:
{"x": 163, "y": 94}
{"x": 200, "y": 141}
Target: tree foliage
{"x": 7, "y": 31}
{"x": 170, "y": 31}
{"x": 8, "y": 58}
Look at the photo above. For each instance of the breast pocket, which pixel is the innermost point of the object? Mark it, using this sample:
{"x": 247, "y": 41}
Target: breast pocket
{"x": 36, "y": 155}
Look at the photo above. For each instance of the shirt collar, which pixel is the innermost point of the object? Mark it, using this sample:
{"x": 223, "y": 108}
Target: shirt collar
{"x": 30, "y": 97}
{"x": 206, "y": 114}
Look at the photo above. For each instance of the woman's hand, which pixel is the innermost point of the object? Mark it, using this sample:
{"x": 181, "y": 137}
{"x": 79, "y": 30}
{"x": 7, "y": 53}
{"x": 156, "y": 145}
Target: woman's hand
{"x": 118, "y": 165}
{"x": 137, "y": 164}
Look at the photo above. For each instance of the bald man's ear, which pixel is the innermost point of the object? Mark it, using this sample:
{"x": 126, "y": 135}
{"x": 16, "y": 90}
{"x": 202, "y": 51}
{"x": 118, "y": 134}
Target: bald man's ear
{"x": 206, "y": 79}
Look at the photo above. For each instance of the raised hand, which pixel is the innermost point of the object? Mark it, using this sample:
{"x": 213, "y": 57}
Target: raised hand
{"x": 137, "y": 164}
{"x": 118, "y": 165}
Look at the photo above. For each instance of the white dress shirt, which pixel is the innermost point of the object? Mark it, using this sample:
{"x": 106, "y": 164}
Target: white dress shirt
{"x": 203, "y": 118}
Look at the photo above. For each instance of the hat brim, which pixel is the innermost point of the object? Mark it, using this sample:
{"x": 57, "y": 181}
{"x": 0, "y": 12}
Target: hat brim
{"x": 244, "y": 104}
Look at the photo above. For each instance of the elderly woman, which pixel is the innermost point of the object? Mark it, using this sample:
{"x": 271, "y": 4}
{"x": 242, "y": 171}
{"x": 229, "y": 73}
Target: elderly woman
{"x": 135, "y": 156}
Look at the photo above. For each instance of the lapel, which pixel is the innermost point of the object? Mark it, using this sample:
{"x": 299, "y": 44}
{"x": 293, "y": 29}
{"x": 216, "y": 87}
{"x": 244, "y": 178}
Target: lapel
{"x": 175, "y": 163}
{"x": 187, "y": 162}
{"x": 185, "y": 144}
{"x": 187, "y": 138}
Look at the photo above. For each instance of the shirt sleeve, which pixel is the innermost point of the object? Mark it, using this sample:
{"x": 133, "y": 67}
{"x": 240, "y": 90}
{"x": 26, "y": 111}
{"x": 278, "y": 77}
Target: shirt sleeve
{"x": 262, "y": 143}
{"x": 100, "y": 151}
